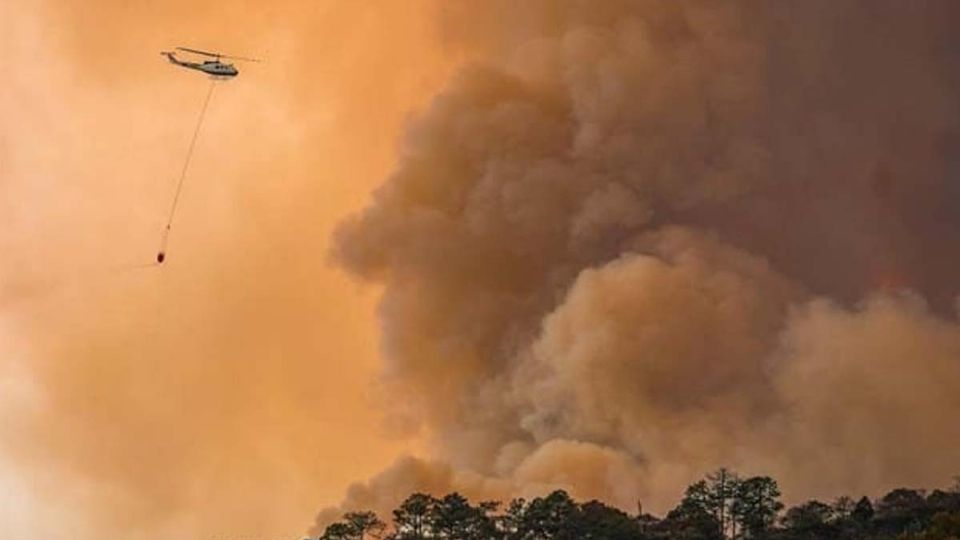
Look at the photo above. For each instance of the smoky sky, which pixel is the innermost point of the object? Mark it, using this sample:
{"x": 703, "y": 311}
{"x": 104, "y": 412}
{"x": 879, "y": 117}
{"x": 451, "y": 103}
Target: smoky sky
{"x": 635, "y": 241}
{"x": 226, "y": 394}
{"x": 614, "y": 245}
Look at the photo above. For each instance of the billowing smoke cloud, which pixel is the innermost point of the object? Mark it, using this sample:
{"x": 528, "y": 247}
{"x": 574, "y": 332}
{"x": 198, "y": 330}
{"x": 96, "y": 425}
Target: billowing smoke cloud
{"x": 640, "y": 240}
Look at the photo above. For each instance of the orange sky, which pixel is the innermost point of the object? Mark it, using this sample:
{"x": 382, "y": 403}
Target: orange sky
{"x": 663, "y": 171}
{"x": 230, "y": 391}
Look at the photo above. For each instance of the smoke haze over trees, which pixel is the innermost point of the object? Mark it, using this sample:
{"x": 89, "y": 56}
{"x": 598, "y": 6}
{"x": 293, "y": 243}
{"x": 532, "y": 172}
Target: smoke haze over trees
{"x": 639, "y": 240}
{"x": 718, "y": 507}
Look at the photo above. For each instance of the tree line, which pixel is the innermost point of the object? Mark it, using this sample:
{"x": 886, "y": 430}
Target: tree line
{"x": 721, "y": 506}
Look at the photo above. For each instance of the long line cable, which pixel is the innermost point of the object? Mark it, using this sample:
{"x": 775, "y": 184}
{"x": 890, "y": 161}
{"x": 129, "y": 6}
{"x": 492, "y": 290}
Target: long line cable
{"x": 162, "y": 253}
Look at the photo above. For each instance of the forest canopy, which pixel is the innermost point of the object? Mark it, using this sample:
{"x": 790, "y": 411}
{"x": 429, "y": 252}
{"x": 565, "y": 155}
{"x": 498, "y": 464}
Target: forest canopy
{"x": 723, "y": 505}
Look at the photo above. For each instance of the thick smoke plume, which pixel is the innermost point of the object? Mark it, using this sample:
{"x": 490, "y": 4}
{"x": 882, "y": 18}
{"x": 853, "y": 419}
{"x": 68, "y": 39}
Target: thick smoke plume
{"x": 640, "y": 240}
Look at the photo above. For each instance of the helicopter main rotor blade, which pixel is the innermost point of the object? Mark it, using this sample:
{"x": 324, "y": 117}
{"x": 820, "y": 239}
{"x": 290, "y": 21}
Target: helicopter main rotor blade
{"x": 195, "y": 51}
{"x": 218, "y": 55}
{"x": 242, "y": 59}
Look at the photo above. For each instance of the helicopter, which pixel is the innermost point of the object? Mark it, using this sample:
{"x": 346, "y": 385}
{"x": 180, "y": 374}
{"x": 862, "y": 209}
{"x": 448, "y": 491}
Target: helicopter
{"x": 214, "y": 67}
{"x": 217, "y": 70}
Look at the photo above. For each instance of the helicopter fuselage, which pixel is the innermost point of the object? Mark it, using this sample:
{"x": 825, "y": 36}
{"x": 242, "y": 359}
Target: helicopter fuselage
{"x": 210, "y": 67}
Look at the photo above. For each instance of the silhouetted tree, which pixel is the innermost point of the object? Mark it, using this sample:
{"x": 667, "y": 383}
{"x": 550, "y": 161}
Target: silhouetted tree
{"x": 451, "y": 517}
{"x": 511, "y": 522}
{"x": 756, "y": 505}
{"x": 365, "y": 523}
{"x": 842, "y": 506}
{"x": 862, "y": 511}
{"x": 809, "y": 515}
{"x": 943, "y": 501}
{"x": 454, "y": 518}
{"x": 901, "y": 510}
{"x": 338, "y": 531}
{"x": 598, "y": 521}
{"x": 552, "y": 517}
{"x": 943, "y": 526}
{"x": 355, "y": 526}
{"x": 689, "y": 521}
{"x": 811, "y": 520}
{"x": 715, "y": 495}
{"x": 411, "y": 521}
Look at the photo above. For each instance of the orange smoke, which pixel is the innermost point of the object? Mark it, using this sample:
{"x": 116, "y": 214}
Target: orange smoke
{"x": 641, "y": 242}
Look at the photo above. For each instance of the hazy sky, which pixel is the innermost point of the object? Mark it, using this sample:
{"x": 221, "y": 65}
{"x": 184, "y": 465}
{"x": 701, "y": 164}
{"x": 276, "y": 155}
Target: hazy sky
{"x": 227, "y": 393}
{"x": 614, "y": 245}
